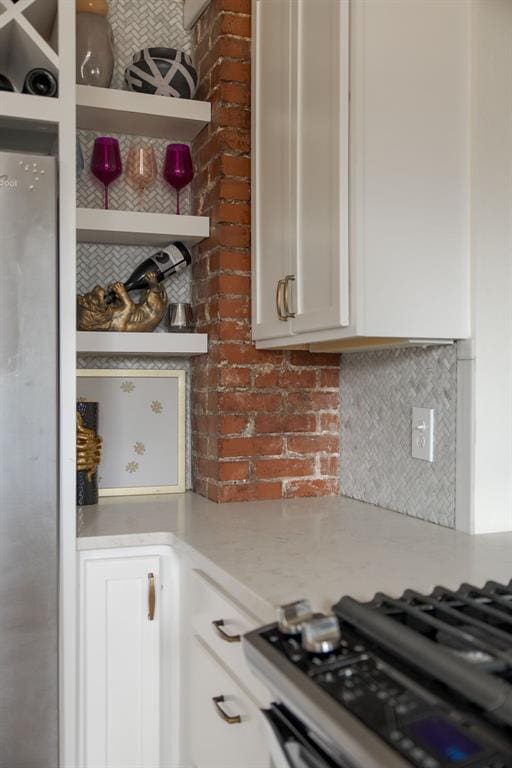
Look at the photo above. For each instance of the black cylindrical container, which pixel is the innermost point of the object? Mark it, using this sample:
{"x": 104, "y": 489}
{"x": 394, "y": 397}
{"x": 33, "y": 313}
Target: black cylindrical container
{"x": 40, "y": 82}
{"x": 88, "y": 449}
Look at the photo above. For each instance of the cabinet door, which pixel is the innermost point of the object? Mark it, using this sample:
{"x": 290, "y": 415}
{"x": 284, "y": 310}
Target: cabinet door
{"x": 320, "y": 39}
{"x": 410, "y": 159}
{"x": 226, "y": 733}
{"x": 271, "y": 192}
{"x": 120, "y": 663}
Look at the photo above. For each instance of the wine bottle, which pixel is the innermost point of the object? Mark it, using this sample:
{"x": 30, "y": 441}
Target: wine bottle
{"x": 164, "y": 264}
{"x": 40, "y": 82}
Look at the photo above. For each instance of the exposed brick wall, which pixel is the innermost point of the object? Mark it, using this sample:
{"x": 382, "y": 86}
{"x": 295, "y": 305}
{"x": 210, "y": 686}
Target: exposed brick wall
{"x": 265, "y": 424}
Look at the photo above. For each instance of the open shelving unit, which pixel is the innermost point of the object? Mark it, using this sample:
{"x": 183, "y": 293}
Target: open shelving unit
{"x": 113, "y": 111}
{"x": 143, "y": 344}
{"x": 135, "y": 228}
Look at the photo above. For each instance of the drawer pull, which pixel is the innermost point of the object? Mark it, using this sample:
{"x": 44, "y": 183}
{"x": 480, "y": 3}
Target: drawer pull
{"x": 229, "y": 719}
{"x": 151, "y": 596}
{"x": 228, "y": 638}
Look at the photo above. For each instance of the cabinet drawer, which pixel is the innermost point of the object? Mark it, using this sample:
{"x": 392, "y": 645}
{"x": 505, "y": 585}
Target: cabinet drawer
{"x": 214, "y": 742}
{"x": 210, "y": 604}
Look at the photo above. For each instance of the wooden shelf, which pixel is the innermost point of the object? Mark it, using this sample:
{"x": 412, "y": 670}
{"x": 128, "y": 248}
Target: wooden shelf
{"x": 140, "y": 114}
{"x": 155, "y": 344}
{"x": 135, "y": 228}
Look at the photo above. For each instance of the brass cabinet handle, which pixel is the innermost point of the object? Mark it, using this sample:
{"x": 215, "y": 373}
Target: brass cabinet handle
{"x": 279, "y": 300}
{"x": 286, "y": 299}
{"x": 230, "y": 720}
{"x": 228, "y": 638}
{"x": 151, "y": 596}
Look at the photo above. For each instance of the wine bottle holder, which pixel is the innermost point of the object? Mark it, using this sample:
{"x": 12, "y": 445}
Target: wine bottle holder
{"x": 28, "y": 38}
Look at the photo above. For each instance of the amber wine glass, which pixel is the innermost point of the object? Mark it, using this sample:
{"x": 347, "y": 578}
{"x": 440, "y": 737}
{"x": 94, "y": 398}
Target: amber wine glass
{"x": 141, "y": 170}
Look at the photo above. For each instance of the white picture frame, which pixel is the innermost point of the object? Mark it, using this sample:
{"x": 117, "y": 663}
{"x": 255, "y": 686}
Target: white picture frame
{"x": 142, "y": 424}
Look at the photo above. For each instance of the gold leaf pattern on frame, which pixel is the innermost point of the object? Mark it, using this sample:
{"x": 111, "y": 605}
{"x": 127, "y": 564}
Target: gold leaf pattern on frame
{"x": 139, "y": 448}
{"x": 128, "y": 386}
{"x": 157, "y": 407}
{"x": 131, "y": 467}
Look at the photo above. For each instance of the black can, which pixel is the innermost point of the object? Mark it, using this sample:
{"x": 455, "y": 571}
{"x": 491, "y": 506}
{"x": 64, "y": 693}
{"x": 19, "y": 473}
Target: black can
{"x": 40, "y": 82}
{"x": 87, "y": 481}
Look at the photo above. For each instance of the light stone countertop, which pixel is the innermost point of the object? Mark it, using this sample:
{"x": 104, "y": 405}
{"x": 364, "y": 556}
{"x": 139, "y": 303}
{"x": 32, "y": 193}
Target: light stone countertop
{"x": 269, "y": 553}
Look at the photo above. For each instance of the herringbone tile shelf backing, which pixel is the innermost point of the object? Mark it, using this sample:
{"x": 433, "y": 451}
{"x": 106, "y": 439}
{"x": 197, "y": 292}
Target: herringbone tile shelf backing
{"x": 159, "y": 24}
{"x": 104, "y": 264}
{"x": 160, "y": 198}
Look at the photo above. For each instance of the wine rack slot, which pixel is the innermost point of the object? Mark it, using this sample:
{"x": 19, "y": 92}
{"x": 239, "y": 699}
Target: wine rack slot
{"x": 25, "y": 32}
{"x": 19, "y": 53}
{"x": 42, "y": 16}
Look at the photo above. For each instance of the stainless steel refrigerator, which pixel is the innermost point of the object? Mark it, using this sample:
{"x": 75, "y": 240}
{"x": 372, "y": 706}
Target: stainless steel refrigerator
{"x": 28, "y": 462}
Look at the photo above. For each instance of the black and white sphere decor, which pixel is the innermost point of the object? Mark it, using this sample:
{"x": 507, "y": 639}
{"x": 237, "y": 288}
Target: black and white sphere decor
{"x": 163, "y": 72}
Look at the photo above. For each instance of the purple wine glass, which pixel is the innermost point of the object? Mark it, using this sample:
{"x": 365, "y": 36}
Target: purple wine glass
{"x": 178, "y": 168}
{"x": 106, "y": 162}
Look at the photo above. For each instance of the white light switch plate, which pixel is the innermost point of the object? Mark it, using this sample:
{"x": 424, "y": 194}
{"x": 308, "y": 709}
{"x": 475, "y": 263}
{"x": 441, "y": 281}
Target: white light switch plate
{"x": 422, "y": 434}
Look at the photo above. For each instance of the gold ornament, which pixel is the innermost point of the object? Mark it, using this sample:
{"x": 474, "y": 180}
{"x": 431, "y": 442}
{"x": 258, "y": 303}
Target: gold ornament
{"x": 88, "y": 448}
{"x": 95, "y": 314}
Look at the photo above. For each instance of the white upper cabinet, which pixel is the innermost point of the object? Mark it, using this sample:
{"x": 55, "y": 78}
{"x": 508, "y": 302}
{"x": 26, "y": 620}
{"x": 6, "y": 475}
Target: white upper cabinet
{"x": 361, "y": 194}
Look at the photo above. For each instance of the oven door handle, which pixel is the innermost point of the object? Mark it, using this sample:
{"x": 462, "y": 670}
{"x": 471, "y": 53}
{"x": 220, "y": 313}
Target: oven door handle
{"x": 287, "y": 751}
{"x": 302, "y": 759}
{"x": 276, "y": 742}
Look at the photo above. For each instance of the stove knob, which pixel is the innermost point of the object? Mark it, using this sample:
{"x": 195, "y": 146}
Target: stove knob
{"x": 292, "y": 616}
{"x": 321, "y": 635}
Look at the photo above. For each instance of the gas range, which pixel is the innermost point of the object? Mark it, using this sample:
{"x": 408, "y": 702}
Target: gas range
{"x": 422, "y": 680}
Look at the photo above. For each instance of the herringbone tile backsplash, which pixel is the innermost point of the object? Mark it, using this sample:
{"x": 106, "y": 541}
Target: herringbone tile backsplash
{"x": 161, "y": 24}
{"x": 378, "y": 390}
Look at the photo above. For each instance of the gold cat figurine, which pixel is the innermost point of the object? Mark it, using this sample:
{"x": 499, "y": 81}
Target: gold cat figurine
{"x": 95, "y": 314}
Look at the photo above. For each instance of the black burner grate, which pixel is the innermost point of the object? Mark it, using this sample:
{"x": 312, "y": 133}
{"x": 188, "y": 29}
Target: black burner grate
{"x": 461, "y": 638}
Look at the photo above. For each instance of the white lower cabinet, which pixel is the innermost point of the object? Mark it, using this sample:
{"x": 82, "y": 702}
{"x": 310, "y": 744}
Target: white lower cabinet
{"x": 124, "y": 676}
{"x": 223, "y": 726}
{"x": 224, "y": 722}
{"x": 163, "y": 681}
